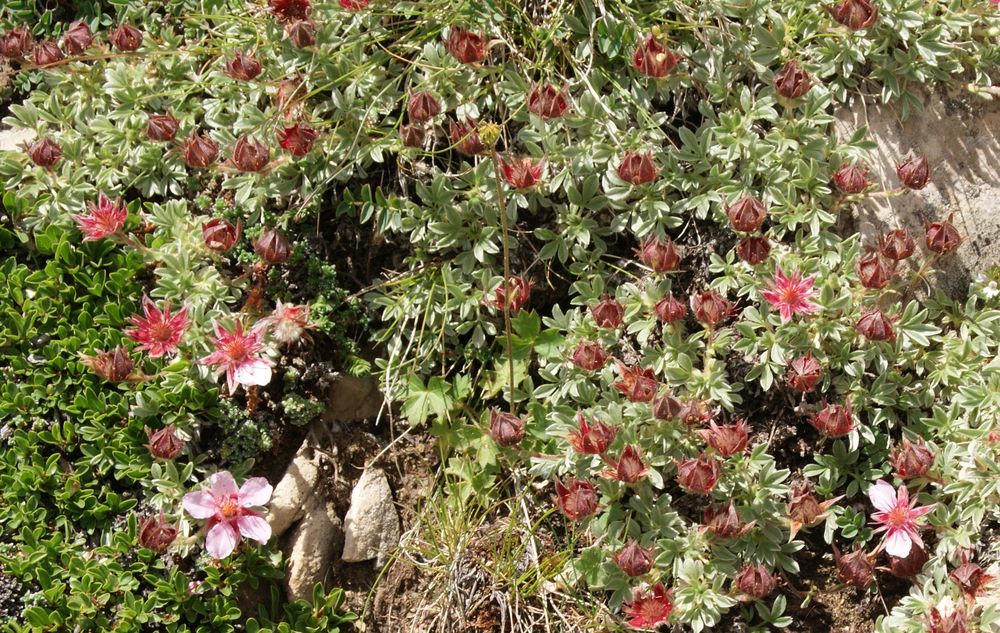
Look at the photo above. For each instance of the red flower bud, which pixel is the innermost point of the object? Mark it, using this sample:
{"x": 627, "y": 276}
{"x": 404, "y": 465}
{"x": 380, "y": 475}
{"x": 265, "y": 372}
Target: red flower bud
{"x": 698, "y": 475}
{"x": 753, "y": 249}
{"x": 576, "y": 499}
{"x": 220, "y": 235}
{"x": 670, "y": 310}
{"x": 755, "y": 581}
{"x": 696, "y": 412}
{"x": 855, "y": 14}
{"x": 746, "y": 214}
{"x": 165, "y": 443}
{"x": 912, "y": 460}
{"x": 942, "y": 237}
{"x": 249, "y": 155}
{"x": 875, "y": 272}
{"x": 113, "y": 366}
{"x": 723, "y": 521}
{"x": 465, "y": 137}
{"x": 851, "y": 179}
{"x": 661, "y": 256}
{"x": 243, "y": 67}
{"x": 638, "y": 385}
{"x": 792, "y": 82}
{"x": 971, "y": 579}
{"x": 856, "y": 569}
{"x": 522, "y": 173}
{"x": 608, "y": 312}
{"x": 633, "y": 559}
{"x": 297, "y": 139}
{"x": 520, "y": 293}
{"x": 547, "y": 101}
{"x": 874, "y": 325}
{"x": 628, "y": 468}
{"x": 465, "y": 46}
{"x": 156, "y": 534}
{"x": 422, "y": 107}
{"x": 301, "y": 33}
{"x": 897, "y": 244}
{"x": 637, "y": 168}
{"x": 804, "y": 509}
{"x": 44, "y": 152}
{"x": 914, "y": 173}
{"x": 413, "y": 135}
{"x": 126, "y": 37}
{"x": 353, "y": 5}
{"x": 15, "y": 43}
{"x": 591, "y": 438}
{"x": 804, "y": 373}
{"x": 911, "y": 564}
{"x": 667, "y": 407}
{"x": 950, "y": 621}
{"x": 290, "y": 95}
{"x": 289, "y": 10}
{"x": 589, "y": 356}
{"x": 200, "y": 151}
{"x": 834, "y": 420}
{"x": 506, "y": 429}
{"x": 272, "y": 246}
{"x": 709, "y": 307}
{"x": 77, "y": 38}
{"x": 161, "y": 127}
{"x": 653, "y": 58}
{"x": 47, "y": 52}
{"x": 728, "y": 439}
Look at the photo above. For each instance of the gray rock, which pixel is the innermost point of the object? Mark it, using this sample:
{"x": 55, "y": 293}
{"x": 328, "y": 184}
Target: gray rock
{"x": 313, "y": 543}
{"x": 959, "y": 134}
{"x": 12, "y": 138}
{"x": 371, "y": 527}
{"x": 294, "y": 491}
{"x": 352, "y": 399}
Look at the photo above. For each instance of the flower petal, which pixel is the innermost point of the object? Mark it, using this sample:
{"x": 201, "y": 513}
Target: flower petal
{"x": 883, "y": 496}
{"x": 253, "y": 372}
{"x": 898, "y": 543}
{"x": 254, "y": 527}
{"x": 221, "y": 540}
{"x": 200, "y": 504}
{"x": 255, "y": 492}
{"x": 223, "y": 484}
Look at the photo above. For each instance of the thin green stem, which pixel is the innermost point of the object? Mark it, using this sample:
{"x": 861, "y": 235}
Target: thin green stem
{"x": 502, "y": 201}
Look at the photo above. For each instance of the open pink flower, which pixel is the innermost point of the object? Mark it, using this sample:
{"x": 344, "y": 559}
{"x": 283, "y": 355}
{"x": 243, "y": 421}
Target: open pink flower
{"x": 897, "y": 517}
{"x": 791, "y": 294}
{"x": 105, "y": 218}
{"x": 158, "y": 332}
{"x": 288, "y": 322}
{"x": 236, "y": 352}
{"x": 228, "y": 510}
{"x": 650, "y": 609}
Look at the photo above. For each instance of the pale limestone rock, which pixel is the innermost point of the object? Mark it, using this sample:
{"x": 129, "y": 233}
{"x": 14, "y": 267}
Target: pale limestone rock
{"x": 371, "y": 527}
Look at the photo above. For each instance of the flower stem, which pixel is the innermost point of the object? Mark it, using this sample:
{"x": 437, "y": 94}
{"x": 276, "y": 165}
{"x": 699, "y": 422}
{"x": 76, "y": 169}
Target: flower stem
{"x": 502, "y": 201}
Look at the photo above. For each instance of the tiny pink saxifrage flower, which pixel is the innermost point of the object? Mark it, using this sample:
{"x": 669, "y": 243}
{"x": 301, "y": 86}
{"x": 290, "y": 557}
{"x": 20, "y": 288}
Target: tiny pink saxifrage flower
{"x": 897, "y": 517}
{"x": 791, "y": 294}
{"x": 237, "y": 353}
{"x": 229, "y": 512}
{"x": 157, "y": 331}
{"x": 105, "y": 218}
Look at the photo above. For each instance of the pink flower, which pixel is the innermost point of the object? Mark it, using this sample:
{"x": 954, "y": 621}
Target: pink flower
{"x": 105, "y": 218}
{"x": 897, "y": 517}
{"x": 228, "y": 512}
{"x": 158, "y": 332}
{"x": 791, "y": 294}
{"x": 649, "y": 610}
{"x": 237, "y": 353}
{"x": 288, "y": 322}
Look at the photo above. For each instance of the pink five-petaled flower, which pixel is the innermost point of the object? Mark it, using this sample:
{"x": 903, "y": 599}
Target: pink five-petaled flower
{"x": 791, "y": 294}
{"x": 236, "y": 352}
{"x": 649, "y": 610}
{"x": 158, "y": 332}
{"x": 897, "y": 517}
{"x": 105, "y": 218}
{"x": 228, "y": 510}
{"x": 288, "y": 322}
{"x": 522, "y": 172}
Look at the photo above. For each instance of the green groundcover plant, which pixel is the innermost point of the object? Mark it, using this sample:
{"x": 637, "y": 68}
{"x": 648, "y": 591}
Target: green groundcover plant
{"x": 618, "y": 272}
